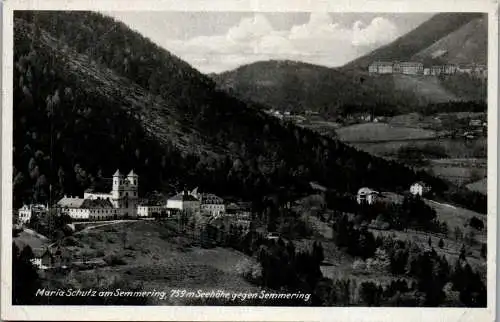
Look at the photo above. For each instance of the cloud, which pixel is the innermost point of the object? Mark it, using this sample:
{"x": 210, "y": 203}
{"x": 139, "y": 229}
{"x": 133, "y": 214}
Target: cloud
{"x": 379, "y": 31}
{"x": 250, "y": 29}
{"x": 319, "y": 41}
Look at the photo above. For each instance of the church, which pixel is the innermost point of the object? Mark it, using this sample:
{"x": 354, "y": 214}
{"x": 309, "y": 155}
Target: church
{"x": 121, "y": 201}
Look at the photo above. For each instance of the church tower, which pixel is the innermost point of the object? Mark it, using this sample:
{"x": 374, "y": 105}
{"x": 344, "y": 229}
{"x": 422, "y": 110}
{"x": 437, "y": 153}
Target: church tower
{"x": 131, "y": 193}
{"x": 117, "y": 190}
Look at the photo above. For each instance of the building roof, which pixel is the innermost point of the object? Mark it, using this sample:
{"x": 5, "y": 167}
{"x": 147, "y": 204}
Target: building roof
{"x": 317, "y": 186}
{"x": 96, "y": 203}
{"x": 232, "y": 207}
{"x": 243, "y": 205}
{"x": 410, "y": 63}
{"x": 423, "y": 184}
{"x": 117, "y": 173}
{"x": 183, "y": 197}
{"x": 366, "y": 191}
{"x": 70, "y": 202}
{"x": 210, "y": 198}
{"x": 131, "y": 174}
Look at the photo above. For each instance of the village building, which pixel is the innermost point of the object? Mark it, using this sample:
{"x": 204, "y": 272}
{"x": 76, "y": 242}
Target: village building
{"x": 427, "y": 71}
{"x": 465, "y": 69}
{"x": 212, "y": 204}
{"x": 97, "y": 204}
{"x": 379, "y": 67}
{"x": 124, "y": 194}
{"x": 42, "y": 258}
{"x": 449, "y": 69}
{"x": 479, "y": 71}
{"x": 151, "y": 211}
{"x": 239, "y": 209}
{"x": 184, "y": 201}
{"x": 436, "y": 70}
{"x": 411, "y": 68}
{"x": 475, "y": 123}
{"x": 27, "y": 211}
{"x": 88, "y": 209}
{"x": 419, "y": 189}
{"x": 366, "y": 196}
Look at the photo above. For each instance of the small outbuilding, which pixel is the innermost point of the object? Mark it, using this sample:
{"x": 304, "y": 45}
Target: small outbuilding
{"x": 366, "y": 196}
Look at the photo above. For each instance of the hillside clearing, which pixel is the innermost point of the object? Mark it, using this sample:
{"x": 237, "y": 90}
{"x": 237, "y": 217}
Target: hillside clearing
{"x": 382, "y": 132}
{"x": 479, "y": 186}
{"x": 154, "y": 255}
{"x": 428, "y": 89}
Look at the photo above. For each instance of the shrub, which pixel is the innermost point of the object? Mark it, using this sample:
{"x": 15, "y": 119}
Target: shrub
{"x": 370, "y": 293}
{"x": 114, "y": 260}
{"x": 476, "y": 223}
{"x": 359, "y": 265}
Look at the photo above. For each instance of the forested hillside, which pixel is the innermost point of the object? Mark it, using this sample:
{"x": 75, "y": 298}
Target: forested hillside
{"x": 297, "y": 87}
{"x": 90, "y": 95}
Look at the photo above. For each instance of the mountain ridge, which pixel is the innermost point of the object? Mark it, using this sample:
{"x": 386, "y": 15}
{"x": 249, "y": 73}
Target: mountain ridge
{"x": 333, "y": 91}
{"x": 420, "y": 38}
{"x": 113, "y": 109}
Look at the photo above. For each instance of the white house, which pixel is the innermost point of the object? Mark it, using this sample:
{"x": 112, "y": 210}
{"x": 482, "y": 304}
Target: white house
{"x": 89, "y": 209}
{"x": 27, "y": 211}
{"x": 381, "y": 67}
{"x": 71, "y": 207}
{"x": 366, "y": 195}
{"x": 210, "y": 203}
{"x": 419, "y": 188}
{"x": 149, "y": 211}
{"x": 411, "y": 68}
{"x": 184, "y": 201}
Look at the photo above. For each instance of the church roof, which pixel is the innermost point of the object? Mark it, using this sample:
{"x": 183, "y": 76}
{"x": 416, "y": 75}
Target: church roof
{"x": 117, "y": 173}
{"x": 132, "y": 174}
{"x": 96, "y": 203}
{"x": 70, "y": 202}
{"x": 183, "y": 197}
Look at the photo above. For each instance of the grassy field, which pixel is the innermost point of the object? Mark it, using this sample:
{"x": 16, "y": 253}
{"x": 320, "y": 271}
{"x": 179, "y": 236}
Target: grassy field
{"x": 479, "y": 186}
{"x": 427, "y": 89}
{"x": 458, "y": 175}
{"x": 382, "y": 132}
{"x": 436, "y": 121}
{"x": 453, "y": 148}
{"x": 31, "y": 238}
{"x": 155, "y": 256}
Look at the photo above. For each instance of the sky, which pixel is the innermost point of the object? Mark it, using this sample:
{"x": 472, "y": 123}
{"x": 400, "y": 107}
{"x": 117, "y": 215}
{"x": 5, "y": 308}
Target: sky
{"x": 214, "y": 42}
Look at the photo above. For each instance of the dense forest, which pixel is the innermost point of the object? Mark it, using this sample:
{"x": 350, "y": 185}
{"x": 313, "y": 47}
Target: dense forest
{"x": 90, "y": 96}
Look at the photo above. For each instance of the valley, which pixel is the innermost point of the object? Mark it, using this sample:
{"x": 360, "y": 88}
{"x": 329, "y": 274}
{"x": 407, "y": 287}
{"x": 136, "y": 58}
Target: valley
{"x": 356, "y": 189}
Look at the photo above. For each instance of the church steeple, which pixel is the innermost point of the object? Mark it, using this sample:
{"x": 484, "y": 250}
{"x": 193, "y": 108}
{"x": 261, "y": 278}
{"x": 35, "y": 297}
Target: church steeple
{"x": 132, "y": 177}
